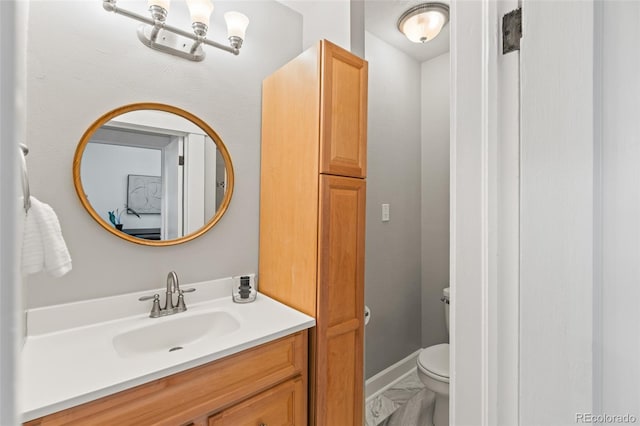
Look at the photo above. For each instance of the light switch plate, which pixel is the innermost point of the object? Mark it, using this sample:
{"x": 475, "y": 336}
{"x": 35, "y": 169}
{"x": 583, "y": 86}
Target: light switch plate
{"x": 385, "y": 213}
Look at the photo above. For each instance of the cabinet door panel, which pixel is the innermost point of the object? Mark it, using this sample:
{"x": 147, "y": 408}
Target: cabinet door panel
{"x": 342, "y": 383}
{"x": 340, "y": 324}
{"x": 283, "y": 405}
{"x": 343, "y": 104}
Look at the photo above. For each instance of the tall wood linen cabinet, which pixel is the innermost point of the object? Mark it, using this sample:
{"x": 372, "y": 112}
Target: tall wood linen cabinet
{"x": 312, "y": 216}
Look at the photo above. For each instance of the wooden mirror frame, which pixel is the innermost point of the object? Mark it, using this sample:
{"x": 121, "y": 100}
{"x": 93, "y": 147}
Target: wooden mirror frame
{"x": 158, "y": 107}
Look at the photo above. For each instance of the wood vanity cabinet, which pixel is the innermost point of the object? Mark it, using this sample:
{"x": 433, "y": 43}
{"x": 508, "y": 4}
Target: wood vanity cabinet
{"x": 265, "y": 385}
{"x": 312, "y": 216}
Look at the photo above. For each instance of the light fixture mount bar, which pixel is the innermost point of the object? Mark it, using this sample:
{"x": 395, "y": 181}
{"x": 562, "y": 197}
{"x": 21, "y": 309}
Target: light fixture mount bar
{"x": 149, "y": 36}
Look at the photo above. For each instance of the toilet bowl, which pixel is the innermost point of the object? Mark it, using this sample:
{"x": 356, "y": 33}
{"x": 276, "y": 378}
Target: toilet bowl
{"x": 433, "y": 371}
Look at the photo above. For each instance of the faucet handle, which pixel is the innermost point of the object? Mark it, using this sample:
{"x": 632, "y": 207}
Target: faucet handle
{"x": 143, "y": 298}
{"x": 155, "y": 309}
{"x": 181, "y": 307}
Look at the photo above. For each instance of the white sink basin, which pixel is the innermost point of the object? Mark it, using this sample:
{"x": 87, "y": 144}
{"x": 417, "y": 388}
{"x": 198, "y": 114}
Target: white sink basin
{"x": 174, "y": 332}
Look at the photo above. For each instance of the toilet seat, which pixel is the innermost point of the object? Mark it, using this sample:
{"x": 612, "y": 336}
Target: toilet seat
{"x": 434, "y": 362}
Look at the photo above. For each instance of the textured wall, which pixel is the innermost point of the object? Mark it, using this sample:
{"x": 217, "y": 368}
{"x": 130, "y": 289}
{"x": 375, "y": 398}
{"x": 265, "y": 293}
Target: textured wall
{"x": 79, "y": 69}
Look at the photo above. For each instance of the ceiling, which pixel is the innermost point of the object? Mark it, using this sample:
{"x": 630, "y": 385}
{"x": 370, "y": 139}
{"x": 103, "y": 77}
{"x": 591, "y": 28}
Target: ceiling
{"x": 381, "y": 17}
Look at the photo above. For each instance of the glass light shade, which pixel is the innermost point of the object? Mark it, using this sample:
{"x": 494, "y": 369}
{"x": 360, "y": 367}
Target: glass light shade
{"x": 236, "y": 24}
{"x": 200, "y": 11}
{"x": 162, "y": 3}
{"x": 424, "y": 22}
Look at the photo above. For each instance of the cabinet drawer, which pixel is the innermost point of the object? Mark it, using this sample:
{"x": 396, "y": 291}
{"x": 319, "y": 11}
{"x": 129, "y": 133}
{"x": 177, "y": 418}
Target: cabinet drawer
{"x": 283, "y": 405}
{"x": 201, "y": 391}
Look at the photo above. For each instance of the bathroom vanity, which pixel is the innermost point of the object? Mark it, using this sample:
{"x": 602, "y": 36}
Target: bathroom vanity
{"x": 265, "y": 385}
{"x": 218, "y": 363}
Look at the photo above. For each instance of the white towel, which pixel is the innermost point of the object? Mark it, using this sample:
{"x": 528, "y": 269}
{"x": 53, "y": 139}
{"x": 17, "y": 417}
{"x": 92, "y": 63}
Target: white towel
{"x": 43, "y": 247}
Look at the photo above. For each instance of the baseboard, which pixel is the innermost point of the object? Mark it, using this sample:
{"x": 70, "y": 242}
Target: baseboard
{"x": 390, "y": 376}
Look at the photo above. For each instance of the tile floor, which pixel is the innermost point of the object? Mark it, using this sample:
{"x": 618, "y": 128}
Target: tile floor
{"x": 407, "y": 403}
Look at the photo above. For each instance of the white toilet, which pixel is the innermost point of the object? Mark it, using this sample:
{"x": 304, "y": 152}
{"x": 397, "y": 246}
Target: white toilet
{"x": 433, "y": 370}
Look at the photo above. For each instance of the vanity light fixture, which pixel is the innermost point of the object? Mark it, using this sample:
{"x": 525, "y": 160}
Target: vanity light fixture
{"x": 422, "y": 23}
{"x": 156, "y": 34}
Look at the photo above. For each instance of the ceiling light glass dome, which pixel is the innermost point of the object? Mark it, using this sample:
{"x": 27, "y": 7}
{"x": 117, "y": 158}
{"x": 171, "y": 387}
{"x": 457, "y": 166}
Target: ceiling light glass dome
{"x": 422, "y": 23}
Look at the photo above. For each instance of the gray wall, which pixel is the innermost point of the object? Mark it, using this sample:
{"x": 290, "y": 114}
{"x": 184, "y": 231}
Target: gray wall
{"x": 435, "y": 197}
{"x": 79, "y": 69}
{"x": 392, "y": 274}
{"x": 407, "y": 259}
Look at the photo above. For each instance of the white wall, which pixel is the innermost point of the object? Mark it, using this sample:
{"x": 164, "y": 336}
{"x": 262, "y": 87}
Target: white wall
{"x": 556, "y": 239}
{"x": 617, "y": 384}
{"x": 104, "y": 173}
{"x": 392, "y": 267}
{"x": 435, "y": 196}
{"x": 97, "y": 65}
{"x": 324, "y": 19}
{"x": 158, "y": 120}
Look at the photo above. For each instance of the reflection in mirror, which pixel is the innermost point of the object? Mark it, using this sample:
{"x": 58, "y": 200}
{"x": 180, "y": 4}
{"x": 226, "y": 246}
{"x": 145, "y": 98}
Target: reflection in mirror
{"x": 153, "y": 174}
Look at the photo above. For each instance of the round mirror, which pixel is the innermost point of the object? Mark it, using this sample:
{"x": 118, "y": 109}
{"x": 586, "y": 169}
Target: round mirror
{"x": 153, "y": 174}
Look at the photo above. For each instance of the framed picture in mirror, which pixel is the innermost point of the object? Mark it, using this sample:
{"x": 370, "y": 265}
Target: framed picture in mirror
{"x": 144, "y": 194}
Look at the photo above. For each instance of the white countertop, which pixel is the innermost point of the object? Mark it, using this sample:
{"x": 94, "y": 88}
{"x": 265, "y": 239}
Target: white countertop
{"x": 69, "y": 358}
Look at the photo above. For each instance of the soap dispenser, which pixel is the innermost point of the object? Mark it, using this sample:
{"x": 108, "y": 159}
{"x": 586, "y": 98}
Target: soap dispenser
{"x": 243, "y": 291}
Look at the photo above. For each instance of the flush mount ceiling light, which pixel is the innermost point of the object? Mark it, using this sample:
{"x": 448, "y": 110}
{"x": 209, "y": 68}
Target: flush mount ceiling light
{"x": 156, "y": 34}
{"x": 422, "y": 23}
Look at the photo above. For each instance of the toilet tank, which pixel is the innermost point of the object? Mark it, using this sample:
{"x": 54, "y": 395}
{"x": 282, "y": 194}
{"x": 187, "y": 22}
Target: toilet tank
{"x": 445, "y": 293}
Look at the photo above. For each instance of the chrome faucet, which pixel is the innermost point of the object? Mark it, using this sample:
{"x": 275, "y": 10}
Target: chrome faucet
{"x": 173, "y": 286}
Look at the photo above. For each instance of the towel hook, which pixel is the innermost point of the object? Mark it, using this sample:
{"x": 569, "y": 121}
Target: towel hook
{"x": 25, "y": 178}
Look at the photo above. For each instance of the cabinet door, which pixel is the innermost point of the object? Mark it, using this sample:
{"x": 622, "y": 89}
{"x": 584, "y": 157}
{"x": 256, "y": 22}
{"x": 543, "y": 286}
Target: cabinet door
{"x": 343, "y": 119}
{"x": 283, "y": 405}
{"x": 338, "y": 363}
